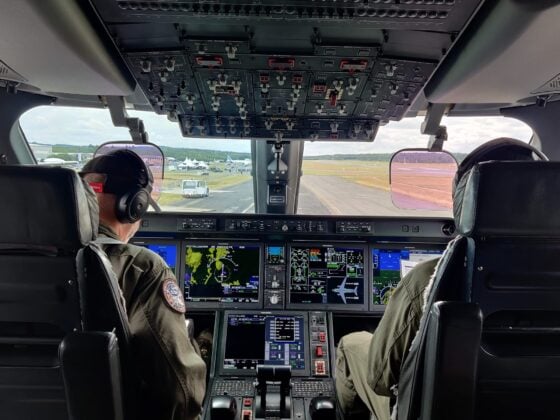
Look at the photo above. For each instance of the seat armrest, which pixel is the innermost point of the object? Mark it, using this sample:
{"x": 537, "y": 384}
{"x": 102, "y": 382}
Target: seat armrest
{"x": 92, "y": 375}
{"x": 450, "y": 362}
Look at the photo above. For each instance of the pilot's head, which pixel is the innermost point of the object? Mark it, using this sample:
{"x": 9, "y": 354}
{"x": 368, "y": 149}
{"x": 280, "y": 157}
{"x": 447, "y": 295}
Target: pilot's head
{"x": 123, "y": 184}
{"x": 502, "y": 149}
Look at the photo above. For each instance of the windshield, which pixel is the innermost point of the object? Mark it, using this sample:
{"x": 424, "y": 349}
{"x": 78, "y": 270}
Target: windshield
{"x": 353, "y": 178}
{"x": 209, "y": 175}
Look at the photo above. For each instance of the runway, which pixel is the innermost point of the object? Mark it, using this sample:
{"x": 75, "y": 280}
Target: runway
{"x": 319, "y": 195}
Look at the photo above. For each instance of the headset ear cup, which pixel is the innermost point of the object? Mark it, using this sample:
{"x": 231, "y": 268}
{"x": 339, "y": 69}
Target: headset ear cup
{"x": 121, "y": 208}
{"x": 138, "y": 205}
{"x": 133, "y": 206}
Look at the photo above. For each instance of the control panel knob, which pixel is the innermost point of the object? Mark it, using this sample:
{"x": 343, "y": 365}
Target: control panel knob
{"x": 285, "y": 228}
{"x": 274, "y": 299}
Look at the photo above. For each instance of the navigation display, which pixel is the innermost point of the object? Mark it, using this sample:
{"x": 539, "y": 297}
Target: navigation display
{"x": 222, "y": 273}
{"x": 327, "y": 275}
{"x": 264, "y": 339}
{"x": 390, "y": 265}
{"x": 166, "y": 251}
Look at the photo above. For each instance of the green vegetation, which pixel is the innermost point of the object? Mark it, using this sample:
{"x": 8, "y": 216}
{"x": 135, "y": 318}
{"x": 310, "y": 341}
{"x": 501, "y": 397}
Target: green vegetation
{"x": 378, "y": 157}
{"x": 200, "y": 154}
{"x": 216, "y": 181}
{"x": 169, "y": 198}
{"x": 68, "y": 149}
{"x": 63, "y": 156}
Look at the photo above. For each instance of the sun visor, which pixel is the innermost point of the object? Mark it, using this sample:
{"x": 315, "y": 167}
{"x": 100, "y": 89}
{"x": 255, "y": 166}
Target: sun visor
{"x": 55, "y": 46}
{"x": 506, "y": 54}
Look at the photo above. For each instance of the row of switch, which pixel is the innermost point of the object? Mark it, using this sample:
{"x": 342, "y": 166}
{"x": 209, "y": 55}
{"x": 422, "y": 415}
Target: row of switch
{"x": 319, "y": 345}
{"x": 247, "y": 411}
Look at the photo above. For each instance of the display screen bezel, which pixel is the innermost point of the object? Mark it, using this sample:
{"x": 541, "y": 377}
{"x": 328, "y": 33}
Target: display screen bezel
{"x": 328, "y": 306}
{"x": 395, "y": 246}
{"x": 251, "y": 372}
{"x": 216, "y": 304}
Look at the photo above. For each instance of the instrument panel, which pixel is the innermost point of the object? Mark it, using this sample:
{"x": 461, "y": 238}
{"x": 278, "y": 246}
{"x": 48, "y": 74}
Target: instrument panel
{"x": 293, "y": 263}
{"x": 276, "y": 293}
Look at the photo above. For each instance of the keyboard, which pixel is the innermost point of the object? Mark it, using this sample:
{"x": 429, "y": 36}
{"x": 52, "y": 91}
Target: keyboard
{"x": 302, "y": 389}
{"x": 235, "y": 388}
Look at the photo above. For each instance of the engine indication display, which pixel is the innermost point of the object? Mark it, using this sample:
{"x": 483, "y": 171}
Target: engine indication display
{"x": 327, "y": 275}
{"x": 222, "y": 273}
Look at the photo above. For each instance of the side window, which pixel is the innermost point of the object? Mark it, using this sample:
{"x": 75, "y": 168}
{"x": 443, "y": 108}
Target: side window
{"x": 218, "y": 172}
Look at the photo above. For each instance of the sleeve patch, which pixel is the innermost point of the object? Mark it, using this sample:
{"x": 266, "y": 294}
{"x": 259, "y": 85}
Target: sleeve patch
{"x": 173, "y": 296}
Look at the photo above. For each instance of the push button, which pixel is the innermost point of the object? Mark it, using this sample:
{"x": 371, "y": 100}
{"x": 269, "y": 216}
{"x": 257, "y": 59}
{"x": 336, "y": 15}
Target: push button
{"x": 320, "y": 367}
{"x": 247, "y": 402}
{"x": 322, "y": 337}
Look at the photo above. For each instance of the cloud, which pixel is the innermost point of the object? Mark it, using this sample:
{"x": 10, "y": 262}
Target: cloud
{"x": 82, "y": 126}
{"x": 464, "y": 135}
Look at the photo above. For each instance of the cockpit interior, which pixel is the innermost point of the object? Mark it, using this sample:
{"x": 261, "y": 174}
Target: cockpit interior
{"x": 303, "y": 153}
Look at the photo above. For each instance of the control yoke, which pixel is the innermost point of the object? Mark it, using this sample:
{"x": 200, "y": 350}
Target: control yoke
{"x": 273, "y": 391}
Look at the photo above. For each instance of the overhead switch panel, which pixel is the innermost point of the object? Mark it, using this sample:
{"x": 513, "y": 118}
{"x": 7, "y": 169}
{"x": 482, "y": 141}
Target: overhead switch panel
{"x": 292, "y": 70}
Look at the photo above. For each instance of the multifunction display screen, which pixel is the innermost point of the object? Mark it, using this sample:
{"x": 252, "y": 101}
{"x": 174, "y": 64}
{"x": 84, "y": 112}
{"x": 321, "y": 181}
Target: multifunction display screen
{"x": 264, "y": 339}
{"x": 222, "y": 273}
{"x": 328, "y": 275}
{"x": 168, "y": 252}
{"x": 391, "y": 265}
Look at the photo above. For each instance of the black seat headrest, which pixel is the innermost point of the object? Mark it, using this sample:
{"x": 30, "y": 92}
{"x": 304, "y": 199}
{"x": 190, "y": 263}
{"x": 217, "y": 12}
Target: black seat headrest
{"x": 512, "y": 199}
{"x": 46, "y": 207}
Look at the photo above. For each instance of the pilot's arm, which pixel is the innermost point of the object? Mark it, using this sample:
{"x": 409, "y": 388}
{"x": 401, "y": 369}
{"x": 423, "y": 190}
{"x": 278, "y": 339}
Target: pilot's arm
{"x": 396, "y": 330}
{"x": 171, "y": 366}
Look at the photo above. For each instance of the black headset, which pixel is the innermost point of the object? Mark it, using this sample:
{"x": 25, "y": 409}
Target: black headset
{"x": 133, "y": 204}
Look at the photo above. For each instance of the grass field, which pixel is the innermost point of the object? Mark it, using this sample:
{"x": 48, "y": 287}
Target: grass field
{"x": 369, "y": 173}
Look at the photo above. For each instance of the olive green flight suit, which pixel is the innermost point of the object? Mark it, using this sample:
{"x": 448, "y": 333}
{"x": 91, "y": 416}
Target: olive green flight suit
{"x": 369, "y": 365}
{"x": 172, "y": 372}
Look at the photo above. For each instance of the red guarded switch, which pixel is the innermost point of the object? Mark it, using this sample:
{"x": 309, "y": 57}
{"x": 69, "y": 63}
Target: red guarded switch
{"x": 333, "y": 97}
{"x": 320, "y": 367}
{"x": 322, "y": 337}
{"x": 319, "y": 351}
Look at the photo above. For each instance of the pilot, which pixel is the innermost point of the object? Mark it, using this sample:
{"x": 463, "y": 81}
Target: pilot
{"x": 172, "y": 373}
{"x": 368, "y": 365}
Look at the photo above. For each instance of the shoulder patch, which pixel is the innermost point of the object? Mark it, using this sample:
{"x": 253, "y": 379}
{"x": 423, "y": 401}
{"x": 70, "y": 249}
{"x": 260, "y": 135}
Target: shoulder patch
{"x": 173, "y": 296}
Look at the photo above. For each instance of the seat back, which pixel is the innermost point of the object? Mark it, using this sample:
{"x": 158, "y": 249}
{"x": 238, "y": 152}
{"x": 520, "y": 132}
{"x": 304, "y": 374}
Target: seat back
{"x": 57, "y": 286}
{"x": 512, "y": 222}
{"x": 509, "y": 265}
{"x": 45, "y": 220}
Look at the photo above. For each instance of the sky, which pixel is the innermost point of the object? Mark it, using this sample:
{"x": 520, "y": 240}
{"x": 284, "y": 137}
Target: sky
{"x": 81, "y": 126}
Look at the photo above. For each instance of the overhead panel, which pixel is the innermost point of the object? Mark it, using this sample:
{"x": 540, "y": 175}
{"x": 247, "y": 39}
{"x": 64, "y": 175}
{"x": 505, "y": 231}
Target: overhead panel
{"x": 301, "y": 70}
